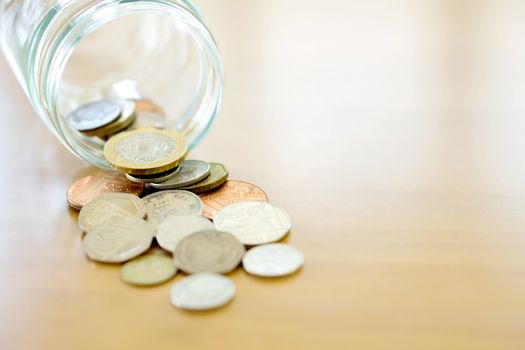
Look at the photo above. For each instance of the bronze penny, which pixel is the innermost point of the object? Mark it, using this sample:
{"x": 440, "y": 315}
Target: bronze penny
{"x": 231, "y": 191}
{"x": 91, "y": 186}
{"x": 146, "y": 106}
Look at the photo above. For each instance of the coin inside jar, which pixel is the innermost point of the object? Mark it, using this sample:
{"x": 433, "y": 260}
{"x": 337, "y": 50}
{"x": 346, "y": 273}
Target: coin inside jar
{"x": 208, "y": 251}
{"x": 109, "y": 206}
{"x": 125, "y": 119}
{"x": 158, "y": 178}
{"x": 146, "y": 151}
{"x": 94, "y": 115}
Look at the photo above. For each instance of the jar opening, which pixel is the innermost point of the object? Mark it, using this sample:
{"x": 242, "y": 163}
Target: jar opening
{"x": 160, "y": 52}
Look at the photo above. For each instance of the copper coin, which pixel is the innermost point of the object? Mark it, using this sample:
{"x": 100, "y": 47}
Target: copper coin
{"x": 91, "y": 186}
{"x": 143, "y": 106}
{"x": 231, "y": 192}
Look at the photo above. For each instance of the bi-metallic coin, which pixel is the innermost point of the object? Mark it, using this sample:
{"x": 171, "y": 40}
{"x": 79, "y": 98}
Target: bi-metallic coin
{"x": 202, "y": 292}
{"x": 253, "y": 223}
{"x": 146, "y": 151}
{"x": 208, "y": 251}
{"x": 273, "y": 260}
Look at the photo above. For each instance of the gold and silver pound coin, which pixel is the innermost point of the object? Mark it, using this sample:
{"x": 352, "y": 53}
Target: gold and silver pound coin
{"x": 146, "y": 151}
{"x": 273, "y": 260}
{"x": 176, "y": 227}
{"x": 208, "y": 251}
{"x": 109, "y": 206}
{"x": 118, "y": 240}
{"x": 202, "y": 291}
{"x": 253, "y": 223}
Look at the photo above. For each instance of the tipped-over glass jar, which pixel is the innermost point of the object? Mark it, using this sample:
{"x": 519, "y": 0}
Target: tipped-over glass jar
{"x": 71, "y": 52}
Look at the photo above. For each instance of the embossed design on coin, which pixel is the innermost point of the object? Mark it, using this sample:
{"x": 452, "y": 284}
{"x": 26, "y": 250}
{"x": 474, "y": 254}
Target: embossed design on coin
{"x": 146, "y": 151}
{"x": 94, "y": 115}
{"x": 218, "y": 176}
{"x": 253, "y": 223}
{"x": 273, "y": 260}
{"x": 176, "y": 227}
{"x": 89, "y": 187}
{"x": 202, "y": 292}
{"x": 231, "y": 191}
{"x": 148, "y": 270}
{"x": 118, "y": 240}
{"x": 192, "y": 171}
{"x": 161, "y": 204}
{"x": 109, "y": 206}
{"x": 208, "y": 251}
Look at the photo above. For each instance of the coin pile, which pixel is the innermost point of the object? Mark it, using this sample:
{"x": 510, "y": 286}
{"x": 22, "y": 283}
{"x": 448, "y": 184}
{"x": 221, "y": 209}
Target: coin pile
{"x": 202, "y": 221}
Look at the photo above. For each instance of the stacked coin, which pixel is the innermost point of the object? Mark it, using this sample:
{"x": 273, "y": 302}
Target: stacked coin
{"x": 183, "y": 197}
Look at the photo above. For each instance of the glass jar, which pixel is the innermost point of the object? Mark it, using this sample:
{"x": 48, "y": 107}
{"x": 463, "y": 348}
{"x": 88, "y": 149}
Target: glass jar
{"x": 69, "y": 52}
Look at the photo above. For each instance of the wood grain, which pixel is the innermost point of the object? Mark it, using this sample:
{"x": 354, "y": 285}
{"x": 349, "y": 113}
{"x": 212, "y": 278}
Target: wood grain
{"x": 392, "y": 133}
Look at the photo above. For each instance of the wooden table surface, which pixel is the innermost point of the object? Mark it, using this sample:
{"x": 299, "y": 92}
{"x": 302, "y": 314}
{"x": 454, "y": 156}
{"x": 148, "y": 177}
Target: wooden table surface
{"x": 393, "y": 134}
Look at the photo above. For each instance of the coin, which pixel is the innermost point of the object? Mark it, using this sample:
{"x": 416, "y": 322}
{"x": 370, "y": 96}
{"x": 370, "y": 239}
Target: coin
{"x": 148, "y": 270}
{"x": 252, "y": 222}
{"x": 192, "y": 171}
{"x": 161, "y": 204}
{"x": 175, "y": 227}
{"x": 231, "y": 191}
{"x": 118, "y": 240}
{"x": 166, "y": 175}
{"x": 94, "y": 115}
{"x": 273, "y": 260}
{"x": 208, "y": 251}
{"x": 126, "y": 119}
{"x": 218, "y": 176}
{"x": 109, "y": 206}
{"x": 145, "y": 105}
{"x": 85, "y": 189}
{"x": 202, "y": 292}
{"x": 146, "y": 151}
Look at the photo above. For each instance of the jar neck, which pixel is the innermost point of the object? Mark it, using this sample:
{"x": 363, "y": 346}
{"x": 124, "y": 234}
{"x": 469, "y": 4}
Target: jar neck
{"x": 54, "y": 41}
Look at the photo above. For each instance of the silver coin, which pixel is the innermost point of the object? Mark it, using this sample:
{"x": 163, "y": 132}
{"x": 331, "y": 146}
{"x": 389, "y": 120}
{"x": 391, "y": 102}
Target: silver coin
{"x": 273, "y": 260}
{"x": 118, "y": 240}
{"x": 94, "y": 115}
{"x": 192, "y": 171}
{"x": 202, "y": 292}
{"x": 208, "y": 251}
{"x": 176, "y": 227}
{"x": 253, "y": 222}
{"x": 166, "y": 175}
{"x": 161, "y": 204}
